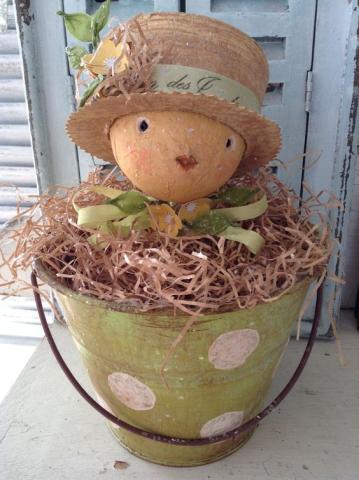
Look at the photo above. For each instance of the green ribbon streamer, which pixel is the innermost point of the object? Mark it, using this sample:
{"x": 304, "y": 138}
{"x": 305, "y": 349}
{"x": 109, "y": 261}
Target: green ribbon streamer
{"x": 252, "y": 240}
{"x": 247, "y": 212}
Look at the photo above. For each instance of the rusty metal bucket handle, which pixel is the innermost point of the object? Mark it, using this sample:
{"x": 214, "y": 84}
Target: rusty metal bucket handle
{"x": 163, "y": 438}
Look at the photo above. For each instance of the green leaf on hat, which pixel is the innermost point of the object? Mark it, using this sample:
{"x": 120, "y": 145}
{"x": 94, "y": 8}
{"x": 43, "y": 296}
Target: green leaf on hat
{"x": 211, "y": 224}
{"x": 75, "y": 55}
{"x": 237, "y": 196}
{"x": 78, "y": 24}
{"x": 99, "y": 21}
{"x": 130, "y": 202}
{"x": 90, "y": 89}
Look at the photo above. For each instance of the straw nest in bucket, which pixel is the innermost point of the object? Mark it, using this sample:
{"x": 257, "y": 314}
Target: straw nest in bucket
{"x": 193, "y": 274}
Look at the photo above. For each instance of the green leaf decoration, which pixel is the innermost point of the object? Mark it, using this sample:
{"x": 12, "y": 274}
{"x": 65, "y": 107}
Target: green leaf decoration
{"x": 75, "y": 55}
{"x": 237, "y": 196}
{"x": 130, "y": 202}
{"x": 78, "y": 24}
{"x": 95, "y": 37}
{"x": 212, "y": 224}
{"x": 100, "y": 19}
{"x": 90, "y": 89}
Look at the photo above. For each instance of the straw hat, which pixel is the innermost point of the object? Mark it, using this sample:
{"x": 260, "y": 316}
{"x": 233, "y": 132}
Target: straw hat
{"x": 207, "y": 67}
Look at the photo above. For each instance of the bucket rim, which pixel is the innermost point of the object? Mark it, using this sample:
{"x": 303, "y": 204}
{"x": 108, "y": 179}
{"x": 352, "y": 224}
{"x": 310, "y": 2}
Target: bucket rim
{"x": 128, "y": 307}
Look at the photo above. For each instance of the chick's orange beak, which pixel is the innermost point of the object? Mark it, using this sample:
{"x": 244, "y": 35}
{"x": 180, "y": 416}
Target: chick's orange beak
{"x": 186, "y": 161}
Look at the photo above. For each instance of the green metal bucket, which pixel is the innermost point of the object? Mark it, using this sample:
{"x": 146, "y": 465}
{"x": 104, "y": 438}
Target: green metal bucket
{"x": 217, "y": 377}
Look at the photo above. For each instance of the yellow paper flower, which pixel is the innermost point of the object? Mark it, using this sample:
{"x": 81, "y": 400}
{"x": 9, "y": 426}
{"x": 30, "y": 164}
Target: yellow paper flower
{"x": 191, "y": 211}
{"x": 104, "y": 58}
{"x": 164, "y": 219}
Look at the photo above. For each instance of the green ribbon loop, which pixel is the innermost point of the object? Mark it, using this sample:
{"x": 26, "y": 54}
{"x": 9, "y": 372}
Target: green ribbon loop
{"x": 110, "y": 219}
{"x": 95, "y": 215}
{"x": 247, "y": 212}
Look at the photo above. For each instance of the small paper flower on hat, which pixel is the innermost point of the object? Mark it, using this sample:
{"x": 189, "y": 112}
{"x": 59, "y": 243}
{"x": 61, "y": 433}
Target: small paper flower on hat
{"x": 106, "y": 57}
{"x": 165, "y": 220}
{"x": 191, "y": 211}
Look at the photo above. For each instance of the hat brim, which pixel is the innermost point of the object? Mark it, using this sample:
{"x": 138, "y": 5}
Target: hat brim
{"x": 89, "y": 126}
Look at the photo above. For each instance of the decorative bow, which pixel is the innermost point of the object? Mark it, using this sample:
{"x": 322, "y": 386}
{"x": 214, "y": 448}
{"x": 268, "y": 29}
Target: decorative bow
{"x": 128, "y": 211}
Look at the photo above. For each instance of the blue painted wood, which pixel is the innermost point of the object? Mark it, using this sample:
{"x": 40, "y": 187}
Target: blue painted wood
{"x": 49, "y": 91}
{"x": 16, "y": 159}
{"x": 332, "y": 132}
{"x": 284, "y": 28}
{"x": 167, "y": 5}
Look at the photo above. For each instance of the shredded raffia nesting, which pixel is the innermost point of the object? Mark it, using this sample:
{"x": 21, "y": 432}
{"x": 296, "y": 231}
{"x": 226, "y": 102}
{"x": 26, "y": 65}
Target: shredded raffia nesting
{"x": 142, "y": 54}
{"x": 194, "y": 275}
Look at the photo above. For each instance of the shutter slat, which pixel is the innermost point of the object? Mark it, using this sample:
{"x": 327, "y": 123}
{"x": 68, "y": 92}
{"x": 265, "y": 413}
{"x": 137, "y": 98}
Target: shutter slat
{"x": 7, "y": 213}
{"x": 22, "y": 177}
{"x": 9, "y": 43}
{"x": 20, "y": 196}
{"x": 247, "y": 6}
{"x": 274, "y": 47}
{"x": 256, "y": 24}
{"x": 278, "y": 71}
{"x": 15, "y": 135}
{"x": 13, "y": 113}
{"x": 16, "y": 156}
{"x": 10, "y": 66}
{"x": 12, "y": 90}
{"x": 274, "y": 95}
{"x": 11, "y": 22}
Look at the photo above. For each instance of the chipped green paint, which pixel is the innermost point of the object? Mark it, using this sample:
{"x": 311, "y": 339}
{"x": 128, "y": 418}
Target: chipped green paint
{"x": 123, "y": 353}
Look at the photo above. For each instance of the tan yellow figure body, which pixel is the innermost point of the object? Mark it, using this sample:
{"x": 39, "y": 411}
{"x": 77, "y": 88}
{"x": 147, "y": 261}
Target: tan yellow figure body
{"x": 175, "y": 156}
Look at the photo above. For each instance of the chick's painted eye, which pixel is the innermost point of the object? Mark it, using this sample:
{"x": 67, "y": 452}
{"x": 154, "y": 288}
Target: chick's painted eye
{"x": 230, "y": 143}
{"x": 143, "y": 125}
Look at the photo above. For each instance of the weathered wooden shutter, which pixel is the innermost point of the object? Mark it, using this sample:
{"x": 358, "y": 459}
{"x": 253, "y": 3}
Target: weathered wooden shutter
{"x": 20, "y": 329}
{"x": 284, "y": 28}
{"x": 311, "y": 51}
{"x": 16, "y": 157}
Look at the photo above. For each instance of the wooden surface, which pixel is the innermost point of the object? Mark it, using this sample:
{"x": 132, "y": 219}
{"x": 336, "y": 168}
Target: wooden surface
{"x": 47, "y": 432}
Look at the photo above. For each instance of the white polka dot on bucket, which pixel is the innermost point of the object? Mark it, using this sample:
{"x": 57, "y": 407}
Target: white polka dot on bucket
{"x": 131, "y": 392}
{"x": 221, "y": 424}
{"x": 231, "y": 349}
{"x": 104, "y": 405}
